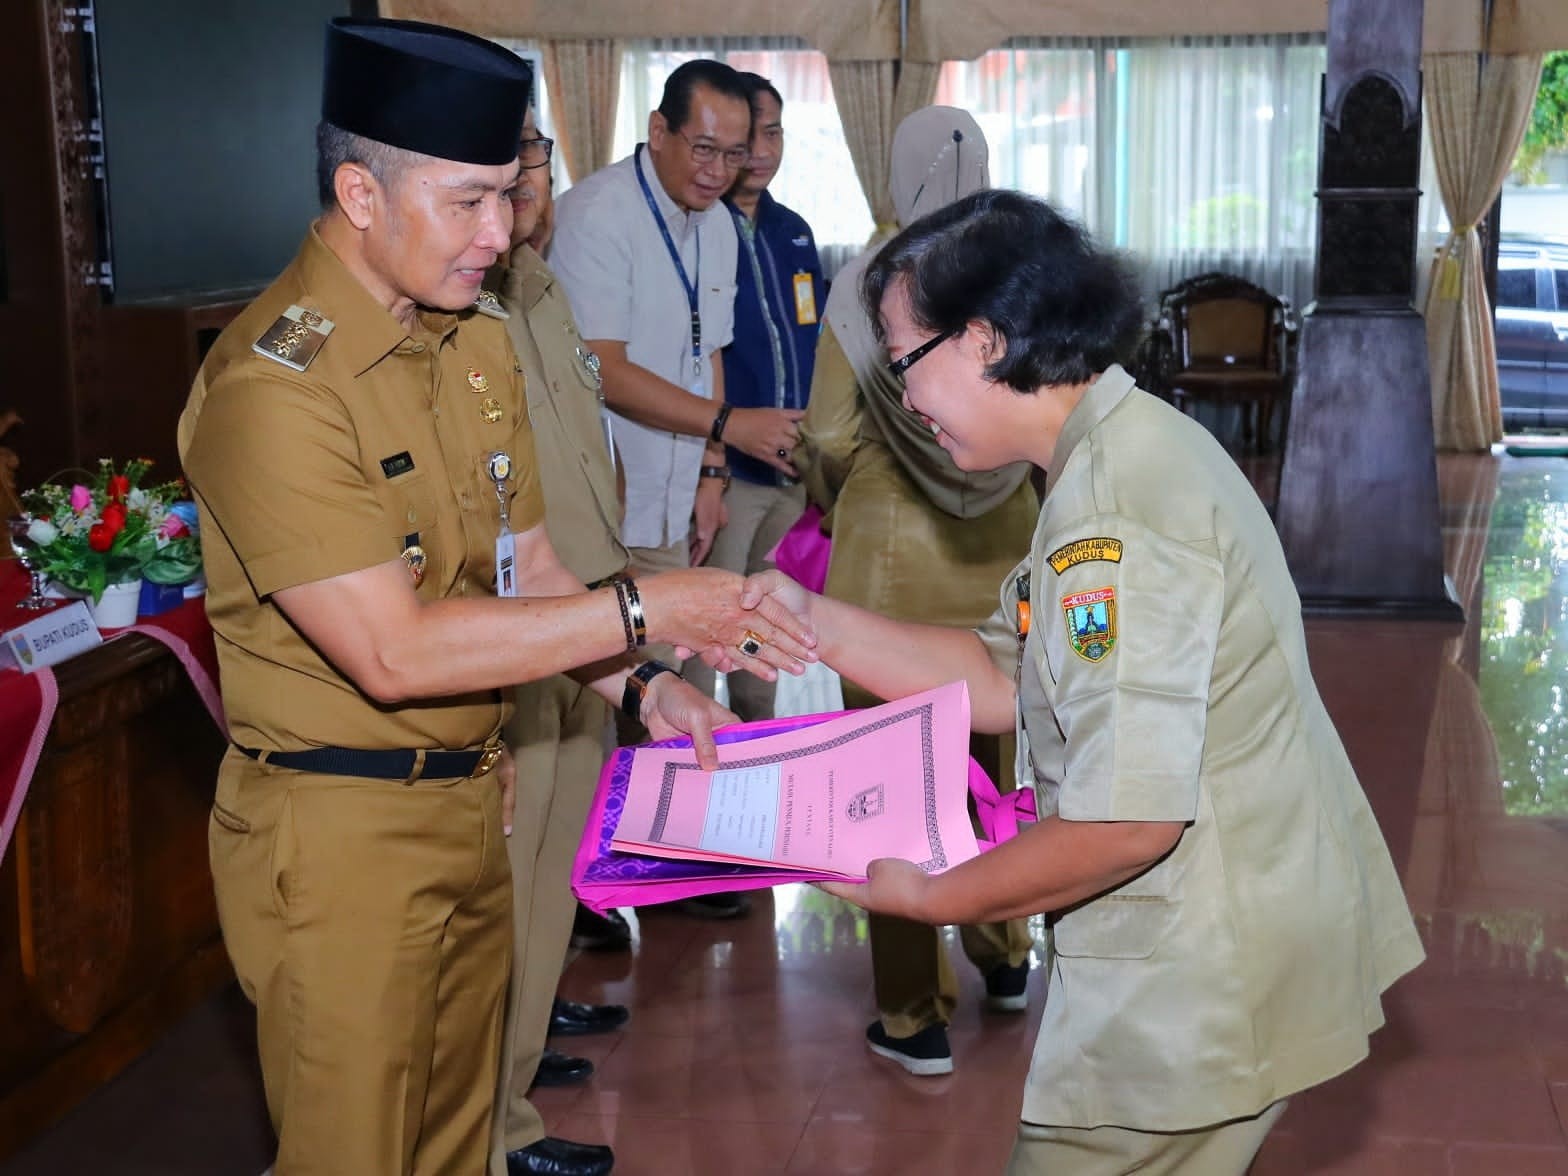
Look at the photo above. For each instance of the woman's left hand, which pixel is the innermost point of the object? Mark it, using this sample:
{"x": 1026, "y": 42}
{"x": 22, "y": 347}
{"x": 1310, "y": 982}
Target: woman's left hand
{"x": 892, "y": 887}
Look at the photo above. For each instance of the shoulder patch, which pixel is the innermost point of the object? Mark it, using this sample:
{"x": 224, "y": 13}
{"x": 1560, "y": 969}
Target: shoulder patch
{"x": 295, "y": 338}
{"x": 488, "y": 304}
{"x": 1085, "y": 551}
{"x": 1091, "y": 622}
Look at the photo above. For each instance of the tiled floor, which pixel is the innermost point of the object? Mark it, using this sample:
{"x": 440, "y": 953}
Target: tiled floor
{"x": 745, "y": 1055}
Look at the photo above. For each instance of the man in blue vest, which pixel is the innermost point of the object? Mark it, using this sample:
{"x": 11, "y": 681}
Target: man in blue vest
{"x": 778, "y": 293}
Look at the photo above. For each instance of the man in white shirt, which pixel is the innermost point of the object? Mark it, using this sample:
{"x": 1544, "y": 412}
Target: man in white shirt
{"x": 647, "y": 256}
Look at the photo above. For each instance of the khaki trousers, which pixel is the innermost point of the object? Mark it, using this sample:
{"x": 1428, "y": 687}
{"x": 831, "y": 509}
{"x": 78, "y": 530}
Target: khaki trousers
{"x": 915, "y": 983}
{"x": 370, "y": 922}
{"x": 1223, "y": 1150}
{"x": 758, "y": 517}
{"x": 557, "y": 735}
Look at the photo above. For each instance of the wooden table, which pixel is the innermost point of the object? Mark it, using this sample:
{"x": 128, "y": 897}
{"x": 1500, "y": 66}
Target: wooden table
{"x": 108, "y": 926}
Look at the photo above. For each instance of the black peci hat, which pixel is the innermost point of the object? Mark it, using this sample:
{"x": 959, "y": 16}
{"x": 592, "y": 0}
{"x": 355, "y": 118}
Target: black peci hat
{"x": 425, "y": 88}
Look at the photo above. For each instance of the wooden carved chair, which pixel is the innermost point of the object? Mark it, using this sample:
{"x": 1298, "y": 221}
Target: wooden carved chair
{"x": 1222, "y": 339}
{"x": 10, "y": 500}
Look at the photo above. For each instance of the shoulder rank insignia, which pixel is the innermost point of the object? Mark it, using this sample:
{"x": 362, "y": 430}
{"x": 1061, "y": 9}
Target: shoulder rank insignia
{"x": 488, "y": 303}
{"x": 295, "y": 338}
{"x": 1085, "y": 551}
{"x": 1091, "y": 622}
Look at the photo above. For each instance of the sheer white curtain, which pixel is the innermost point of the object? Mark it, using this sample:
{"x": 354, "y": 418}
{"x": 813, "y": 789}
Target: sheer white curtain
{"x": 1192, "y": 153}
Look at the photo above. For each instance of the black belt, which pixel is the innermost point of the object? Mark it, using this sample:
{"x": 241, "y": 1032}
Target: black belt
{"x": 397, "y": 764}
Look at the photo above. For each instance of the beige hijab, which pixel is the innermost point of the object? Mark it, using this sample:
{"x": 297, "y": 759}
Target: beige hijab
{"x": 939, "y": 155}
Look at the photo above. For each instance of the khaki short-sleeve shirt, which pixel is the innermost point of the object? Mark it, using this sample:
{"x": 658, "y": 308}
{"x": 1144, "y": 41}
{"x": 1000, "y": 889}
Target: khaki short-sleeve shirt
{"x": 1165, "y": 678}
{"x": 380, "y": 444}
{"x": 582, "y": 512}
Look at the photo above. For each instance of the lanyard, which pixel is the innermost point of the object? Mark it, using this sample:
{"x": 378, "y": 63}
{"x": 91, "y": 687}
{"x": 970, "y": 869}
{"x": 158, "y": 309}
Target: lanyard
{"x": 680, "y": 268}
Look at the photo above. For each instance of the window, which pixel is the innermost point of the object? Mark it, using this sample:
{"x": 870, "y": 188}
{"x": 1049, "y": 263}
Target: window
{"x": 1516, "y": 285}
{"x": 1560, "y": 280}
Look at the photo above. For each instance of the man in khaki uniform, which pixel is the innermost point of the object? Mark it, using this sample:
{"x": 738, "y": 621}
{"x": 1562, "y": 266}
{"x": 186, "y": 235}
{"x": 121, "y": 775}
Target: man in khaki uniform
{"x": 559, "y": 729}
{"x": 359, "y": 447}
{"x": 1228, "y": 915}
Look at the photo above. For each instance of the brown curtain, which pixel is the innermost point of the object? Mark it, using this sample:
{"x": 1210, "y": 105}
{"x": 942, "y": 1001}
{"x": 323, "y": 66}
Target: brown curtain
{"x": 584, "y": 80}
{"x": 1477, "y": 111}
{"x": 872, "y": 98}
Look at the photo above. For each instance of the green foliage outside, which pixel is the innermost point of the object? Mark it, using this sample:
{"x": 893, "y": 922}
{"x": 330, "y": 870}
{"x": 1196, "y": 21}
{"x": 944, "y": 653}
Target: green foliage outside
{"x": 1524, "y": 641}
{"x": 1548, "y": 130}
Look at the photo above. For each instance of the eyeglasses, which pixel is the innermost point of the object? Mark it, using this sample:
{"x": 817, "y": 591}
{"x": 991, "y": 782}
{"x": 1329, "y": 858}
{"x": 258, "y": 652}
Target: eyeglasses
{"x": 705, "y": 153}
{"x": 536, "y": 152}
{"x": 904, "y": 362}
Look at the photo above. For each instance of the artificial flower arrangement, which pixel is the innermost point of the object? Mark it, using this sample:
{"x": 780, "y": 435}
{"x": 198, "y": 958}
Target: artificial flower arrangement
{"x": 110, "y": 528}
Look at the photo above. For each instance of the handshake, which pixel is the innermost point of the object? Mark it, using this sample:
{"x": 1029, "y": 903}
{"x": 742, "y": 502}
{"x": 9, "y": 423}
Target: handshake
{"x": 760, "y": 624}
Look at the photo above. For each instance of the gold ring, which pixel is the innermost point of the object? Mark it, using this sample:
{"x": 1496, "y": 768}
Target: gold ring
{"x": 751, "y": 644}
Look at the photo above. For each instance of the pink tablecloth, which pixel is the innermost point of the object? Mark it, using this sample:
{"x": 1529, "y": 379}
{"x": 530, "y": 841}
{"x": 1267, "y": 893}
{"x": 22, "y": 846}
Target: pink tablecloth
{"x": 27, "y": 701}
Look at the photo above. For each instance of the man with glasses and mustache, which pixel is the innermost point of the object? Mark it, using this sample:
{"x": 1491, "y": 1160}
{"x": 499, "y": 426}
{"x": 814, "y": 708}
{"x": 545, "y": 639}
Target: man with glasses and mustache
{"x": 647, "y": 256}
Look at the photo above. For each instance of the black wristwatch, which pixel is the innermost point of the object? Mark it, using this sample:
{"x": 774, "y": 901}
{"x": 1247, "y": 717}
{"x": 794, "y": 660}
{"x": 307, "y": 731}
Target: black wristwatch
{"x": 637, "y": 687}
{"x": 722, "y": 472}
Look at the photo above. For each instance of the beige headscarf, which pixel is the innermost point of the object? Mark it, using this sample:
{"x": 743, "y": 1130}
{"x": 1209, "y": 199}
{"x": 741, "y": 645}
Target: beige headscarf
{"x": 939, "y": 155}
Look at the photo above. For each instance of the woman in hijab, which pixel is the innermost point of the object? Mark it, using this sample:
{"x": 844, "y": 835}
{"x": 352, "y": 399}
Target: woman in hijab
{"x": 917, "y": 539}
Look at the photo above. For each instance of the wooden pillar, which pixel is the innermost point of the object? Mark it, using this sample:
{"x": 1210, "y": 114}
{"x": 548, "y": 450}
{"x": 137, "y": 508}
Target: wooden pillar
{"x": 1358, "y": 508}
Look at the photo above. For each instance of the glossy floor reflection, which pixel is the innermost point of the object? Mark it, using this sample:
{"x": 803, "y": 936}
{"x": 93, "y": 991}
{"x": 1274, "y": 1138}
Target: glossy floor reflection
{"x": 745, "y": 1051}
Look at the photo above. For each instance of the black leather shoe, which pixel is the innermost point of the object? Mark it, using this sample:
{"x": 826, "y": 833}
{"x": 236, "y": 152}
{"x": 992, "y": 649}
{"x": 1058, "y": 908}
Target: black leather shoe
{"x": 560, "y": 1157}
{"x": 713, "y": 906}
{"x": 596, "y": 932}
{"x": 568, "y": 1018}
{"x": 558, "y": 1069}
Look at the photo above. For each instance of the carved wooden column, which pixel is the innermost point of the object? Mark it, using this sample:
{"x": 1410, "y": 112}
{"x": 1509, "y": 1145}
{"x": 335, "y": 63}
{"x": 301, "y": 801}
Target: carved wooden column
{"x": 1358, "y": 507}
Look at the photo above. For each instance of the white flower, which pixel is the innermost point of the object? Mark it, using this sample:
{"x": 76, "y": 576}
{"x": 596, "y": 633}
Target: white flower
{"x": 42, "y": 532}
{"x": 136, "y": 499}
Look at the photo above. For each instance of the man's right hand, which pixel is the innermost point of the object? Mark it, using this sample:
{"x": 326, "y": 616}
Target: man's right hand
{"x": 765, "y": 434}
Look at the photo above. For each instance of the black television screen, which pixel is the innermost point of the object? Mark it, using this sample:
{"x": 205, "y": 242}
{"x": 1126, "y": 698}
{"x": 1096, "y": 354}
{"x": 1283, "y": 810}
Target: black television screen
{"x": 209, "y": 111}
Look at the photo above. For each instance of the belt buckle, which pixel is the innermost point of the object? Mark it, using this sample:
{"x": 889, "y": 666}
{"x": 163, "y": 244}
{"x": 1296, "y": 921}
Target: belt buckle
{"x": 490, "y": 756}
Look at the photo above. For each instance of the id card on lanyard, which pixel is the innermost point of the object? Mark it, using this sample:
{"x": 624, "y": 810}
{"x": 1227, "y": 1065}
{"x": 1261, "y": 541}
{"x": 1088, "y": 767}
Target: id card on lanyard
{"x": 499, "y": 467}
{"x": 691, "y": 284}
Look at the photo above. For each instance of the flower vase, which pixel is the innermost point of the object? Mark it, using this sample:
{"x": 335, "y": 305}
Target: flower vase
{"x": 117, "y": 607}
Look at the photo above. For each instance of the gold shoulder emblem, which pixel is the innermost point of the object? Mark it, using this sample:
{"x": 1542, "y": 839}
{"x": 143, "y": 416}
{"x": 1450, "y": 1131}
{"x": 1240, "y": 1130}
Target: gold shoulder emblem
{"x": 487, "y": 303}
{"x": 295, "y": 338}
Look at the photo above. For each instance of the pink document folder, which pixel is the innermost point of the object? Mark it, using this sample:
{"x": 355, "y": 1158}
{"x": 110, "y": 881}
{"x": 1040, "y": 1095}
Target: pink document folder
{"x": 866, "y": 762}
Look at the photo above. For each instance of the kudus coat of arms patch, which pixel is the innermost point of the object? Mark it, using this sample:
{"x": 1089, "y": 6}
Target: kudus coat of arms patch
{"x": 1091, "y": 622}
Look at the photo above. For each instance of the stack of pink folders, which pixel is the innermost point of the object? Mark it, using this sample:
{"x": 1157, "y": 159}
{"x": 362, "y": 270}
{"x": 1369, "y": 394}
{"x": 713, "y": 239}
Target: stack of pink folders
{"x": 799, "y": 799}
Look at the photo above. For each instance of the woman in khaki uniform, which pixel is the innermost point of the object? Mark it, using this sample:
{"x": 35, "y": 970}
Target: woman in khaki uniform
{"x": 1227, "y": 912}
{"x": 917, "y": 539}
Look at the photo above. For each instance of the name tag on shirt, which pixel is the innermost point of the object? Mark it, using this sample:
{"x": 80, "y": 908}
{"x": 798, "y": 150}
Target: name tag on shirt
{"x": 805, "y": 300}
{"x": 506, "y": 565}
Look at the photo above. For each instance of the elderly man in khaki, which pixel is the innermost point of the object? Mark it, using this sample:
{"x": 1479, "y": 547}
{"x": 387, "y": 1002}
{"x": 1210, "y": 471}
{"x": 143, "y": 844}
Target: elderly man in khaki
{"x": 1227, "y": 912}
{"x": 559, "y": 729}
{"x": 359, "y": 447}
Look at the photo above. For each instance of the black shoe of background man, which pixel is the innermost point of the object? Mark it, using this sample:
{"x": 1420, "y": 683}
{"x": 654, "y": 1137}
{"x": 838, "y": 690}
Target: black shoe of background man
{"x": 568, "y": 1018}
{"x": 560, "y": 1157}
{"x": 558, "y": 1069}
{"x": 595, "y": 932}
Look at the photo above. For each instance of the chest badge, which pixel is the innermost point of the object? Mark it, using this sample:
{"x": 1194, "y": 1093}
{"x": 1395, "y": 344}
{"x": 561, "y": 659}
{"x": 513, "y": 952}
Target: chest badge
{"x": 490, "y": 410}
{"x": 590, "y": 362}
{"x": 478, "y": 381}
{"x": 1091, "y": 622}
{"x": 413, "y": 557}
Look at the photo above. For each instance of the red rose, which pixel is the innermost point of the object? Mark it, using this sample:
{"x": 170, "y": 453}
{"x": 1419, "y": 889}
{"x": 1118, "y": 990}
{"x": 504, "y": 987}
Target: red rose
{"x": 119, "y": 487}
{"x": 100, "y": 537}
{"x": 114, "y": 517}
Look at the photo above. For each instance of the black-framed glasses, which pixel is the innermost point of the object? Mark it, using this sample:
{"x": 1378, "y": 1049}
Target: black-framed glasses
{"x": 705, "y": 153}
{"x": 535, "y": 152}
{"x": 904, "y": 362}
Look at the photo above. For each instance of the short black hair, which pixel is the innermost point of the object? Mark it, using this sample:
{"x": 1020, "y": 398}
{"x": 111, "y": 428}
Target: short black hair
{"x": 675, "y": 105}
{"x": 757, "y": 85}
{"x": 335, "y": 147}
{"x": 1064, "y": 308}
